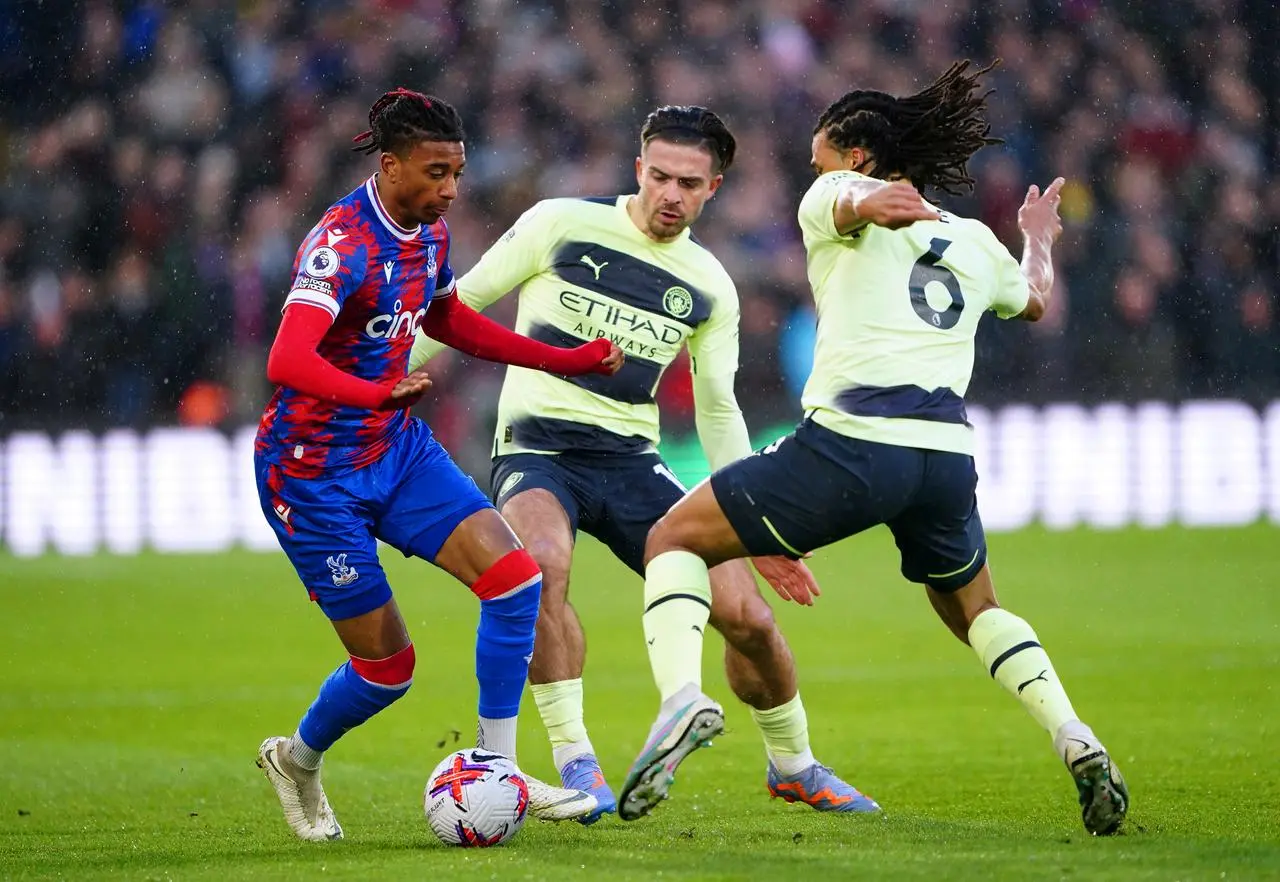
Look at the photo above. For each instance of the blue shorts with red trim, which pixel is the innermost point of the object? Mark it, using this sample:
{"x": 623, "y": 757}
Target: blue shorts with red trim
{"x": 412, "y": 498}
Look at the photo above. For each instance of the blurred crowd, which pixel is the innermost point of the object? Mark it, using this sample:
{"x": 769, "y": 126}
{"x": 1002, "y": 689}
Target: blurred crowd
{"x": 160, "y": 162}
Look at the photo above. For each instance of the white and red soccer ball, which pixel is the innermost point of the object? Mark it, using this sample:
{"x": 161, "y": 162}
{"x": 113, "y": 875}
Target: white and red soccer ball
{"x": 475, "y": 799}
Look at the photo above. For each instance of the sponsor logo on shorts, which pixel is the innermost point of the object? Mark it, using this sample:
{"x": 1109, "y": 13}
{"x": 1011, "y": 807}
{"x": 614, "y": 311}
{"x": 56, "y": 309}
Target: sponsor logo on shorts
{"x": 510, "y": 483}
{"x": 342, "y": 574}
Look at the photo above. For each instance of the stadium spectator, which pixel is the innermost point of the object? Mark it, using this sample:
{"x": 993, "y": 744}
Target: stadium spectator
{"x": 148, "y": 200}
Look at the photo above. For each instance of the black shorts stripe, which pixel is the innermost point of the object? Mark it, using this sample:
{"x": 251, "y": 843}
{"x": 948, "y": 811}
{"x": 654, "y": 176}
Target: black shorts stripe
{"x": 913, "y": 402}
{"x": 661, "y": 600}
{"x": 634, "y": 383}
{"x": 1012, "y": 651}
{"x": 636, "y": 283}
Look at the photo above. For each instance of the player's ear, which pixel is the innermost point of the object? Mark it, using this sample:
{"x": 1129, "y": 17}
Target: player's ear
{"x": 714, "y": 185}
{"x": 855, "y": 159}
{"x": 389, "y": 164}
{"x": 639, "y": 170}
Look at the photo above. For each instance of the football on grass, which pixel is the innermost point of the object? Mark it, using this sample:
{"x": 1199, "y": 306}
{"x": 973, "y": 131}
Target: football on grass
{"x": 475, "y": 799}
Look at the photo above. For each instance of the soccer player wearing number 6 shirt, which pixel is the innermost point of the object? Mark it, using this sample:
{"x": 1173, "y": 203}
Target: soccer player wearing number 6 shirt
{"x": 900, "y": 286}
{"x": 341, "y": 464}
{"x": 579, "y": 453}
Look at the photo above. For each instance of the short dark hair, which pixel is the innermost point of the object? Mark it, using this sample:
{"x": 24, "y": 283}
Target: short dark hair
{"x": 928, "y": 137}
{"x": 402, "y": 118}
{"x": 690, "y": 124}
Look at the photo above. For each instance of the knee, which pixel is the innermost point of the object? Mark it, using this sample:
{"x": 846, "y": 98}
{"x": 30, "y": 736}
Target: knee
{"x": 510, "y": 588}
{"x": 553, "y": 558}
{"x": 750, "y": 626}
{"x": 659, "y": 538}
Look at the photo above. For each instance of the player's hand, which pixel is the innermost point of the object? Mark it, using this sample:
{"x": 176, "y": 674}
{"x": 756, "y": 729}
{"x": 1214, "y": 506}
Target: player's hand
{"x": 409, "y": 390}
{"x": 611, "y": 363}
{"x": 790, "y": 578}
{"x": 600, "y": 356}
{"x": 1038, "y": 216}
{"x": 895, "y": 205}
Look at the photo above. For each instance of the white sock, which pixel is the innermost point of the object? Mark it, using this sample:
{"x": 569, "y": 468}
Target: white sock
{"x": 498, "y": 736}
{"x": 789, "y": 764}
{"x": 1072, "y": 729}
{"x": 563, "y": 754}
{"x": 302, "y": 755}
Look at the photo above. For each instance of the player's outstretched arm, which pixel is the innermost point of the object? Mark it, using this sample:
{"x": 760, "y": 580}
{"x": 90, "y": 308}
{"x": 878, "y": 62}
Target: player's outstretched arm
{"x": 451, "y": 321}
{"x": 891, "y": 204}
{"x": 425, "y": 348}
{"x": 295, "y": 363}
{"x": 1038, "y": 219}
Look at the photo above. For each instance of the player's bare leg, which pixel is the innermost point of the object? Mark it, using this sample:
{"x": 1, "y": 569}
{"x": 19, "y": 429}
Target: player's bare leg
{"x": 692, "y": 536}
{"x": 761, "y": 671}
{"x": 484, "y": 554}
{"x": 757, "y": 660}
{"x": 291, "y": 764}
{"x": 1012, "y": 654}
{"x": 560, "y": 649}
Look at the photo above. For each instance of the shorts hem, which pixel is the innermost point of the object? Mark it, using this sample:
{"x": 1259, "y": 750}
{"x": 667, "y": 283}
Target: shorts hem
{"x": 953, "y": 582}
{"x": 350, "y": 607}
{"x": 428, "y": 543}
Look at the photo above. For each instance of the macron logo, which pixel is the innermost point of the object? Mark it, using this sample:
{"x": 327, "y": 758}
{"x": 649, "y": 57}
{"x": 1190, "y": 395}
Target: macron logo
{"x": 335, "y": 236}
{"x": 387, "y": 268}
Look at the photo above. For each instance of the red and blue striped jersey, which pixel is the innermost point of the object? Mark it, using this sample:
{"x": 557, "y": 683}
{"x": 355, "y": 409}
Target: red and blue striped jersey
{"x": 377, "y": 280}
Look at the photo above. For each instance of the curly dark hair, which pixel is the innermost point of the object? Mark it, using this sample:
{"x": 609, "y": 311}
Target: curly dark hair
{"x": 402, "y": 118}
{"x": 927, "y": 137}
{"x": 690, "y": 124}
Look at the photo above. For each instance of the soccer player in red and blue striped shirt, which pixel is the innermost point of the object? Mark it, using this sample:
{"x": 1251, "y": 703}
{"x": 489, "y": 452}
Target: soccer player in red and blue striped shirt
{"x": 341, "y": 464}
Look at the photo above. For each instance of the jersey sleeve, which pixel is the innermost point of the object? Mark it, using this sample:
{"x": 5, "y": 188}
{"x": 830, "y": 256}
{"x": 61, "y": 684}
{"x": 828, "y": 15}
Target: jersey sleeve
{"x": 328, "y": 269}
{"x": 426, "y": 348}
{"x": 1012, "y": 291}
{"x": 521, "y": 253}
{"x": 713, "y": 350}
{"x": 817, "y": 208}
{"x": 713, "y": 345}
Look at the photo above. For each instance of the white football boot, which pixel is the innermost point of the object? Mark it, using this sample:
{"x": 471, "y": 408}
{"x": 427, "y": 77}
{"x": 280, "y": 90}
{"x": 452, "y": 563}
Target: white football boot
{"x": 687, "y": 720}
{"x": 1104, "y": 797}
{"x": 301, "y": 797}
{"x": 548, "y": 803}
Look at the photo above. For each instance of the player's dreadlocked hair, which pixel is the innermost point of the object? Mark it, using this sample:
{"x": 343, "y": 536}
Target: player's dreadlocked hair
{"x": 690, "y": 124}
{"x": 928, "y": 137}
{"x": 402, "y": 118}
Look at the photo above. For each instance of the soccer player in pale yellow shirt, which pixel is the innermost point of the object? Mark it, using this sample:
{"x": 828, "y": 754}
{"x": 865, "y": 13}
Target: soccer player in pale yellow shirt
{"x": 899, "y": 285}
{"x": 573, "y": 454}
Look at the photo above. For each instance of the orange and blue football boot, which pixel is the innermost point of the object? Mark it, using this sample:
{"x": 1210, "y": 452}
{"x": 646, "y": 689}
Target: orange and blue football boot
{"x": 821, "y": 788}
{"x": 583, "y": 773}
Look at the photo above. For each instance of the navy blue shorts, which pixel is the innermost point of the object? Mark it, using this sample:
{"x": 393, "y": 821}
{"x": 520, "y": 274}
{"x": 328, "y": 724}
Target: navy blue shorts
{"x": 614, "y": 498}
{"x": 816, "y": 486}
{"x": 412, "y": 498}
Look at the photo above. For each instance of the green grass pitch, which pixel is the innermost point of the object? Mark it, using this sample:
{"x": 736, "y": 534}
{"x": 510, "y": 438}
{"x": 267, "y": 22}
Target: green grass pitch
{"x": 134, "y": 693}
